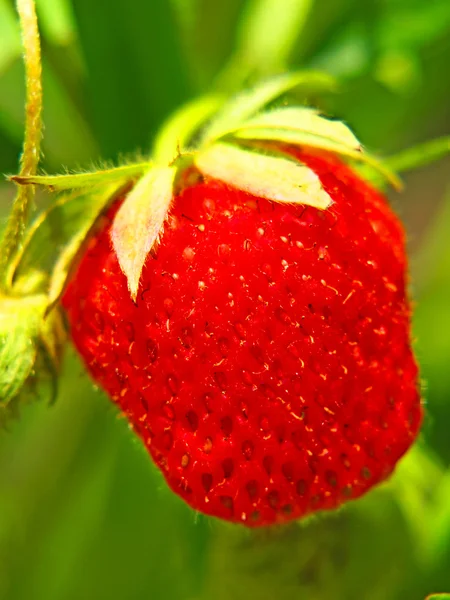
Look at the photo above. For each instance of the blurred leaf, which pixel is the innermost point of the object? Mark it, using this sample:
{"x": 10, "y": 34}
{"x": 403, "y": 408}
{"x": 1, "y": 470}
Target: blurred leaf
{"x": 56, "y": 21}
{"x": 361, "y": 551}
{"x": 432, "y": 324}
{"x": 433, "y": 265}
{"x": 266, "y": 36}
{"x": 247, "y": 103}
{"x": 413, "y": 23}
{"x": 11, "y": 46}
{"x": 207, "y": 31}
{"x": 439, "y": 523}
{"x": 415, "y": 157}
{"x": 414, "y": 484}
{"x": 347, "y": 55}
{"x": 80, "y": 519}
{"x": 136, "y": 70}
{"x": 400, "y": 71}
{"x": 67, "y": 138}
{"x": 87, "y": 468}
{"x": 269, "y": 29}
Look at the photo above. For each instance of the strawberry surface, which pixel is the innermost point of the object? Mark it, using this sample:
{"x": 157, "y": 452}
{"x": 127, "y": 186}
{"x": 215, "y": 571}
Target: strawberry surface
{"x": 266, "y": 363}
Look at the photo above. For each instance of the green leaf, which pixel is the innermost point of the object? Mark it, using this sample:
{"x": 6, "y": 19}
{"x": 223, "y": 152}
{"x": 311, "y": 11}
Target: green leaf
{"x": 136, "y": 67}
{"x": 68, "y": 139}
{"x": 443, "y": 596}
{"x": 94, "y": 205}
{"x": 30, "y": 352}
{"x": 420, "y": 155}
{"x": 10, "y": 47}
{"x": 52, "y": 336}
{"x": 268, "y": 34}
{"x": 20, "y": 321}
{"x": 139, "y": 222}
{"x": 55, "y": 238}
{"x": 269, "y": 31}
{"x": 30, "y": 338}
{"x": 274, "y": 178}
{"x": 305, "y": 138}
{"x": 58, "y": 183}
{"x": 424, "y": 22}
{"x": 248, "y": 103}
{"x": 57, "y": 21}
{"x": 207, "y": 31}
{"x": 438, "y": 522}
{"x": 176, "y": 134}
{"x": 416, "y": 475}
{"x": 306, "y": 120}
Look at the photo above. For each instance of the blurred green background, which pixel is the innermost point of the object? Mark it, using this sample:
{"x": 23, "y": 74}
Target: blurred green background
{"x": 83, "y": 513}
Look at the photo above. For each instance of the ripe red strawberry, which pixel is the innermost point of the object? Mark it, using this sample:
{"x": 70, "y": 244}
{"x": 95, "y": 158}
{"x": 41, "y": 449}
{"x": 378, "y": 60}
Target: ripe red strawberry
{"x": 266, "y": 363}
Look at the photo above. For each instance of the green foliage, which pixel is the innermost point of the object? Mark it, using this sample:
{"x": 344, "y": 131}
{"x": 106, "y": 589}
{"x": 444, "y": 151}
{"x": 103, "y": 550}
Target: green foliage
{"x": 73, "y": 181}
{"x": 83, "y": 514}
{"x": 30, "y": 347}
{"x": 247, "y": 103}
{"x": 20, "y": 326}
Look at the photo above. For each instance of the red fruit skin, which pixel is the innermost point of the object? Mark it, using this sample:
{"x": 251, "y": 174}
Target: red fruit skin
{"x": 266, "y": 363}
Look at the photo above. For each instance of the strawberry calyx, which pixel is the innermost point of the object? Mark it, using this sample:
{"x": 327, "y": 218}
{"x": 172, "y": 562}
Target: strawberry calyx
{"x": 239, "y": 142}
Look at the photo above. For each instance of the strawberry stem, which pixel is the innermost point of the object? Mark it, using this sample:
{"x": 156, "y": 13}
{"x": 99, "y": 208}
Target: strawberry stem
{"x": 420, "y": 155}
{"x": 33, "y": 132}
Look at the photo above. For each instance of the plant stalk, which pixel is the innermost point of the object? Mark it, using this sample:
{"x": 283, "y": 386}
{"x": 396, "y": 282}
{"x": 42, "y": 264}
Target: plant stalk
{"x": 18, "y": 218}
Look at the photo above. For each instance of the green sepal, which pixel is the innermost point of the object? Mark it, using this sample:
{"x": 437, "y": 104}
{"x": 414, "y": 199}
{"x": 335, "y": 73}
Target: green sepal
{"x": 276, "y": 178}
{"x": 305, "y": 120}
{"x": 31, "y": 334}
{"x": 72, "y": 181}
{"x": 66, "y": 226}
{"x": 309, "y": 140}
{"x": 176, "y": 135}
{"x": 248, "y": 103}
{"x": 306, "y": 127}
{"x": 139, "y": 221}
{"x": 20, "y": 321}
{"x": 30, "y": 351}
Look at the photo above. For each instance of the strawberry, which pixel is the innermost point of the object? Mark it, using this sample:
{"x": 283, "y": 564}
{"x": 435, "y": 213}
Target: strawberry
{"x": 266, "y": 361}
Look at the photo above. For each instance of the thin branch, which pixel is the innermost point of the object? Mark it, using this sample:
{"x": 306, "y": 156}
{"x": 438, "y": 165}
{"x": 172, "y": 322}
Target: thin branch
{"x": 33, "y": 133}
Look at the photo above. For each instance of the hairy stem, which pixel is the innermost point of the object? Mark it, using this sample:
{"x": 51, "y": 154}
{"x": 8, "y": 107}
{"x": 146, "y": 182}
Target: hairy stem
{"x": 33, "y": 133}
